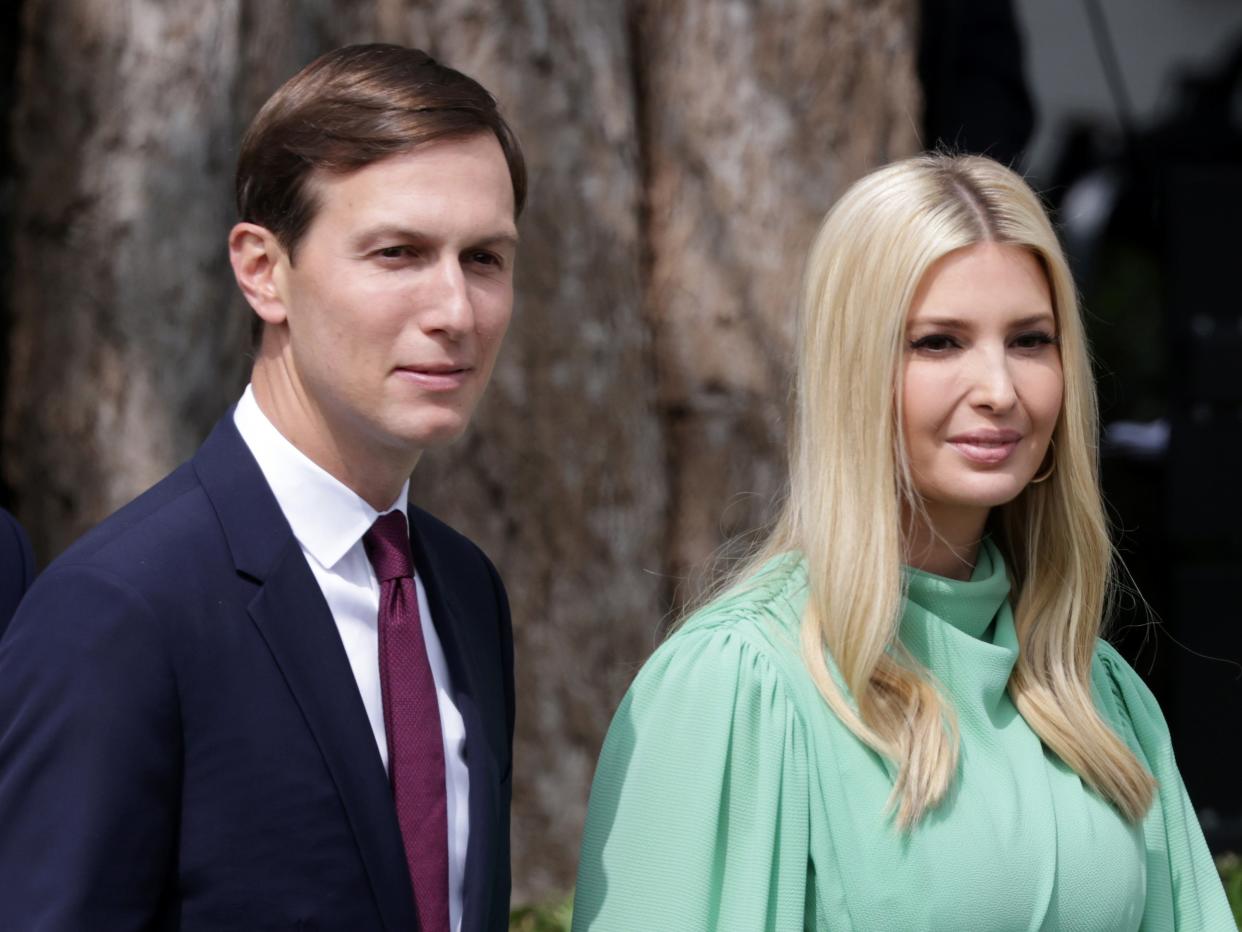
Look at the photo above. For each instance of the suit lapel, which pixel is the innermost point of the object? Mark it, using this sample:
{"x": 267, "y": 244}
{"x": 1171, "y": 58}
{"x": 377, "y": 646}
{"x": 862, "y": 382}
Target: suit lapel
{"x": 294, "y": 620}
{"x": 453, "y": 627}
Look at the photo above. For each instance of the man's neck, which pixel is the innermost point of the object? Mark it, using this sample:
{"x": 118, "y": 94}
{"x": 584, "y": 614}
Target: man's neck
{"x": 376, "y": 476}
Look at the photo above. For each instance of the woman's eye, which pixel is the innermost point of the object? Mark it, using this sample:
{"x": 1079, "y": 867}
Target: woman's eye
{"x": 934, "y": 343}
{"x": 1036, "y": 339}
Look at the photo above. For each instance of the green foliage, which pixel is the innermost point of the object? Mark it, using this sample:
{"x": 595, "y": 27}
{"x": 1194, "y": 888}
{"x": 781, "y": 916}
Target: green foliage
{"x": 546, "y": 917}
{"x": 1230, "y": 867}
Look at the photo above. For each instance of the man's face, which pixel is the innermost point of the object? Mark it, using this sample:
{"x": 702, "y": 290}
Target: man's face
{"x": 399, "y": 296}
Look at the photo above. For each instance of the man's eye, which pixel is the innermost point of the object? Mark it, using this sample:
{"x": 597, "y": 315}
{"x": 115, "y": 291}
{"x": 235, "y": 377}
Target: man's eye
{"x": 485, "y": 258}
{"x": 934, "y": 343}
{"x": 393, "y": 252}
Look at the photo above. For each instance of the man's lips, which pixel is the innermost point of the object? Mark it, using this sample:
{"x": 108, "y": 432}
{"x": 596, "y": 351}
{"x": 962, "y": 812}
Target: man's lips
{"x": 436, "y": 378}
{"x": 986, "y": 447}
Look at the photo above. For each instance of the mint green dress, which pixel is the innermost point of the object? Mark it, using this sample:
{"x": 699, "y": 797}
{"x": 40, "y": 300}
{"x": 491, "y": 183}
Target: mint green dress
{"x": 728, "y": 798}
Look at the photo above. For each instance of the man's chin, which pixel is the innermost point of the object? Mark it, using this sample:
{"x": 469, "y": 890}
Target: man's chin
{"x": 428, "y": 435}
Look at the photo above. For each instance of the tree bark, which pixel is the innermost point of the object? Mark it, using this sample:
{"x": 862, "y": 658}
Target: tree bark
{"x": 122, "y": 343}
{"x": 681, "y": 155}
{"x": 128, "y": 337}
{"x": 756, "y": 116}
{"x": 562, "y": 477}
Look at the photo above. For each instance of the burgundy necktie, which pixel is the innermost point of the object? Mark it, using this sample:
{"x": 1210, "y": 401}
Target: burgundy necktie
{"x": 412, "y": 722}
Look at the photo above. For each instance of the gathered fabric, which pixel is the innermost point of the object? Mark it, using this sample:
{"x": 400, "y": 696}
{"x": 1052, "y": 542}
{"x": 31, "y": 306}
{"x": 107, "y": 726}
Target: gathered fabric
{"x": 728, "y": 796}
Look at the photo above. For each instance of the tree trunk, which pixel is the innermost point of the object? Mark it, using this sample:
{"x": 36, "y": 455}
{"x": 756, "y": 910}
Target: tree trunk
{"x": 128, "y": 337}
{"x": 562, "y": 478}
{"x": 681, "y": 155}
{"x": 756, "y": 116}
{"x": 123, "y": 345}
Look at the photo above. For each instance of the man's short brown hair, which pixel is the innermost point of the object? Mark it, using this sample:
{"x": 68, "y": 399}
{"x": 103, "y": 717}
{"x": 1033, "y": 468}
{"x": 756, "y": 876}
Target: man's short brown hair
{"x": 347, "y": 109}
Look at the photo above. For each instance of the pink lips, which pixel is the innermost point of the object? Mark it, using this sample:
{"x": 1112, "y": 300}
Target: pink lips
{"x": 987, "y": 447}
{"x": 435, "y": 378}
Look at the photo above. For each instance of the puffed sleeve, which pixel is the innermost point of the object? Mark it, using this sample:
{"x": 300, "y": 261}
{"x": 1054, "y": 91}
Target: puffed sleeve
{"x": 1184, "y": 891}
{"x": 698, "y": 819}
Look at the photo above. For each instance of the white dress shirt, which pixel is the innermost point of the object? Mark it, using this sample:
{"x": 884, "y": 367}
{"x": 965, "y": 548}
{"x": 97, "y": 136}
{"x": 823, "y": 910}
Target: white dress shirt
{"x": 328, "y": 519}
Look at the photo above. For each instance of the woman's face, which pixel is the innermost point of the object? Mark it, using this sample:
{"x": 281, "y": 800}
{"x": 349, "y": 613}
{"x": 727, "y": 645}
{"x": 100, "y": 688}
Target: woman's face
{"x": 982, "y": 380}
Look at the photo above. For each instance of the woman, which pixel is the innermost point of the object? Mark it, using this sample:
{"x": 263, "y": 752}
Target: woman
{"x": 899, "y": 715}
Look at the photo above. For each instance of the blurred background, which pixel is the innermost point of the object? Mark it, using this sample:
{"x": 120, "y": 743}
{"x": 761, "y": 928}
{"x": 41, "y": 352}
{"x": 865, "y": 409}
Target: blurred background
{"x": 682, "y": 153}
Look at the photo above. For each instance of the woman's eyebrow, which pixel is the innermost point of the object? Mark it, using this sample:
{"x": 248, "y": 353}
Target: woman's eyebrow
{"x": 948, "y": 323}
{"x": 1034, "y": 319}
{"x": 957, "y": 323}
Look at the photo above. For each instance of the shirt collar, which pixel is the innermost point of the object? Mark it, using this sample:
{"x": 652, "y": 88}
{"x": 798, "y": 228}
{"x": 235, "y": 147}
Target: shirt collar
{"x": 326, "y": 516}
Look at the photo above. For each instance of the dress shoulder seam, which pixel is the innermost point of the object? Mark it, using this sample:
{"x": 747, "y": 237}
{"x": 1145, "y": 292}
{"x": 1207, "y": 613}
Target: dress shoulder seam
{"x": 740, "y": 626}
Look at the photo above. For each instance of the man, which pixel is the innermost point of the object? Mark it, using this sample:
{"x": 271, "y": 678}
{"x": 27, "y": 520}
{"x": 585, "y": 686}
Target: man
{"x": 17, "y": 566}
{"x": 235, "y": 704}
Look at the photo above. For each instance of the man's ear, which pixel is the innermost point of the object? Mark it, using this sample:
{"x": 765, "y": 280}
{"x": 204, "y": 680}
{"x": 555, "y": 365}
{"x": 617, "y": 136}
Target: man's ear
{"x": 256, "y": 256}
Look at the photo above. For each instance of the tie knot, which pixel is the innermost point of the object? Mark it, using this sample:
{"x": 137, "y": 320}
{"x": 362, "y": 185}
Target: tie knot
{"x": 388, "y": 547}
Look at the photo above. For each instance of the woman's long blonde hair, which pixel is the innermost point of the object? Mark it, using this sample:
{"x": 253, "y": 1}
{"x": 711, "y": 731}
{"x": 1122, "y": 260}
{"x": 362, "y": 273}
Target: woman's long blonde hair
{"x": 849, "y": 484}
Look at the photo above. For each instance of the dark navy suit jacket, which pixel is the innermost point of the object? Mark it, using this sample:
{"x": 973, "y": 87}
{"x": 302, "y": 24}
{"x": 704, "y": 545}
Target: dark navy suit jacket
{"x": 182, "y": 741}
{"x": 17, "y": 566}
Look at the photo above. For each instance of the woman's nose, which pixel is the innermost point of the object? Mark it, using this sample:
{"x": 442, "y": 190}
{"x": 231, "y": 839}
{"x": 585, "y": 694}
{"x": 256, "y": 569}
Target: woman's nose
{"x": 992, "y": 385}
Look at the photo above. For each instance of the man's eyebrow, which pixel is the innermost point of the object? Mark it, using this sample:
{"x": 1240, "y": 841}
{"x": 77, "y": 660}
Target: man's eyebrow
{"x": 501, "y": 238}
{"x": 409, "y": 235}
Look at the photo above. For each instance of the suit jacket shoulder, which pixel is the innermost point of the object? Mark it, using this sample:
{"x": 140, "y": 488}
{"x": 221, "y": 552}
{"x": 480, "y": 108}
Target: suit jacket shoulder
{"x": 158, "y": 540}
{"x": 182, "y": 741}
{"x": 449, "y": 546}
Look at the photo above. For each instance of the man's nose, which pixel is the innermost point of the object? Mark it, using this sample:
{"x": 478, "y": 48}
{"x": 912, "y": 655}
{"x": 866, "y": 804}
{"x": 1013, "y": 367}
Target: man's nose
{"x": 992, "y": 384}
{"x": 449, "y": 309}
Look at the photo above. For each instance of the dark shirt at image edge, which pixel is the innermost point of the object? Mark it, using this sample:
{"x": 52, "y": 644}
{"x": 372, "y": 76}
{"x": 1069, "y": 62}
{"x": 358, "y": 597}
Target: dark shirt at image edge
{"x": 17, "y": 566}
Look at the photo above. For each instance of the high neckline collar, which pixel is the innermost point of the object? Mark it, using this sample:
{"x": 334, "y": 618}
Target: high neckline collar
{"x": 968, "y": 605}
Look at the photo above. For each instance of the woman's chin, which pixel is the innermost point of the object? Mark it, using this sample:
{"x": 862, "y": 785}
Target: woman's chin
{"x": 977, "y": 492}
